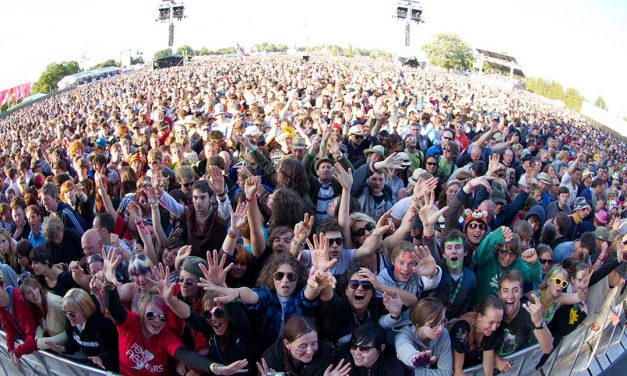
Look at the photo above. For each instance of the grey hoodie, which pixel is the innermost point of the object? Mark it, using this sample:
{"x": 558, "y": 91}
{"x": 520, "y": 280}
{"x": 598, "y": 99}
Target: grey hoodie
{"x": 409, "y": 344}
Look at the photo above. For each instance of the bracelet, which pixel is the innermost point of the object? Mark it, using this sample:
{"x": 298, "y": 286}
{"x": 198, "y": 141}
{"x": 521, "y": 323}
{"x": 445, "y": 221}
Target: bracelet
{"x": 395, "y": 318}
{"x": 297, "y": 242}
{"x": 213, "y": 366}
{"x": 233, "y": 235}
{"x": 251, "y": 198}
{"x": 239, "y": 296}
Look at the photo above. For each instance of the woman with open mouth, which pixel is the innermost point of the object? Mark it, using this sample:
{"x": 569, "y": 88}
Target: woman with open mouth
{"x": 473, "y": 334}
{"x": 552, "y": 291}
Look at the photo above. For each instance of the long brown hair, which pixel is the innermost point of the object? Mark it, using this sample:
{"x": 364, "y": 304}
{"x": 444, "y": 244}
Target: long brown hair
{"x": 32, "y": 282}
{"x": 294, "y": 328}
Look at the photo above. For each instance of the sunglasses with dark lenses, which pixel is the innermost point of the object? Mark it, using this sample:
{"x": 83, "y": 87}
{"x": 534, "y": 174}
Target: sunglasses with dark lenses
{"x": 546, "y": 261}
{"x": 292, "y": 277}
{"x": 186, "y": 282}
{"x": 187, "y": 185}
{"x": 362, "y": 231}
{"x": 338, "y": 241}
{"x": 215, "y": 312}
{"x": 505, "y": 252}
{"x": 151, "y": 316}
{"x": 431, "y": 163}
{"x": 475, "y": 225}
{"x": 358, "y": 136}
{"x": 560, "y": 282}
{"x": 361, "y": 348}
{"x": 448, "y": 138}
{"x": 353, "y": 284}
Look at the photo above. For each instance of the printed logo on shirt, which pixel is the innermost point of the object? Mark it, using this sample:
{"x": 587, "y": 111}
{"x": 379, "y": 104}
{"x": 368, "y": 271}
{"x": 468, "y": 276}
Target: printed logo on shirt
{"x": 141, "y": 357}
{"x": 495, "y": 282}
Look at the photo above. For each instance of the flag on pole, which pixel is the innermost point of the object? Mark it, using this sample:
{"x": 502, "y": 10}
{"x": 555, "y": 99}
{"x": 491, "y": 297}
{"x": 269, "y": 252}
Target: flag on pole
{"x": 240, "y": 52}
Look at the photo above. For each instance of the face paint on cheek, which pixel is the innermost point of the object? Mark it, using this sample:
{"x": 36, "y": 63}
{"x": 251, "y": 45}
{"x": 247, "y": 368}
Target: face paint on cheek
{"x": 454, "y": 264}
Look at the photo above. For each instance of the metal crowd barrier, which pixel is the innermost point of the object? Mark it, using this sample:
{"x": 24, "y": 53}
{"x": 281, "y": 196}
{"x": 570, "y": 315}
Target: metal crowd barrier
{"x": 581, "y": 352}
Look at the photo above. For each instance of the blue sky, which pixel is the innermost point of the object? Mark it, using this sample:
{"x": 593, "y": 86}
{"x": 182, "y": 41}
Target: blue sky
{"x": 578, "y": 43}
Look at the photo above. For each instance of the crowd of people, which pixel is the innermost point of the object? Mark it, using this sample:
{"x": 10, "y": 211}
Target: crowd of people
{"x": 326, "y": 217}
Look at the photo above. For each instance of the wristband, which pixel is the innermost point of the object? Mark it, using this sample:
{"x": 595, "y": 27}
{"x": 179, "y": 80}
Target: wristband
{"x": 213, "y": 366}
{"x": 239, "y": 296}
{"x": 233, "y": 235}
{"x": 251, "y": 198}
{"x": 395, "y": 318}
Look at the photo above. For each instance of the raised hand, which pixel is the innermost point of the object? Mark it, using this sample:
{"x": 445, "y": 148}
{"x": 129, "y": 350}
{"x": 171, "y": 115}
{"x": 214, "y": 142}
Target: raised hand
{"x": 392, "y": 303}
{"x": 239, "y": 366}
{"x": 164, "y": 287}
{"x": 535, "y": 309}
{"x": 383, "y": 224}
{"x": 425, "y": 263}
{"x": 345, "y": 178}
{"x": 507, "y": 233}
{"x": 215, "y": 179}
{"x": 111, "y": 262}
{"x": 238, "y": 217}
{"x": 493, "y": 165}
{"x": 530, "y": 256}
{"x": 134, "y": 211}
{"x": 226, "y": 295}
{"x": 263, "y": 368}
{"x": 340, "y": 370}
{"x": 155, "y": 181}
{"x": 303, "y": 228}
{"x": 369, "y": 276}
{"x": 181, "y": 255}
{"x": 251, "y": 185}
{"x": 481, "y": 180}
{"x": 215, "y": 272}
{"x": 321, "y": 280}
{"x": 393, "y": 160}
{"x": 428, "y": 214}
{"x": 320, "y": 253}
{"x": 151, "y": 194}
{"x": 426, "y": 186}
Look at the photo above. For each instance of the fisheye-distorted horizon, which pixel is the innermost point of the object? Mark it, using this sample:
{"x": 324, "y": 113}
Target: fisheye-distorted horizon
{"x": 577, "y": 43}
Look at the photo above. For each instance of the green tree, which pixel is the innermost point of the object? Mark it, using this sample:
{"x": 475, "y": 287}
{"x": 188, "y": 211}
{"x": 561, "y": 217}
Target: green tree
{"x": 204, "y": 51}
{"x": 450, "y": 52}
{"x": 137, "y": 60}
{"x": 108, "y": 63}
{"x": 185, "y": 50}
{"x": 486, "y": 68}
{"x": 600, "y": 103}
{"x": 52, "y": 75}
{"x": 573, "y": 99}
{"x": 161, "y": 53}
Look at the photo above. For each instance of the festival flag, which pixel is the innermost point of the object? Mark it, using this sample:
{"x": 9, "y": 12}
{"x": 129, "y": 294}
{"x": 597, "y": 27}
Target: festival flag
{"x": 240, "y": 52}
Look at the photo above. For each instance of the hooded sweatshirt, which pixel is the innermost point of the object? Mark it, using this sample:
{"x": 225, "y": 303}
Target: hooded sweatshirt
{"x": 275, "y": 358}
{"x": 409, "y": 344}
{"x": 416, "y": 284}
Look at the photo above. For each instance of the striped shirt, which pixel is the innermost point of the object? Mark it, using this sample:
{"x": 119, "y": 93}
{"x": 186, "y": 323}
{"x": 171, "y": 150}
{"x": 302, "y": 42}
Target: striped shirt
{"x": 325, "y": 195}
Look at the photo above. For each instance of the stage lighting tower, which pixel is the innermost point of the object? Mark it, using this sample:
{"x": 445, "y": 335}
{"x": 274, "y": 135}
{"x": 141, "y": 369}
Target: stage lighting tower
{"x": 409, "y": 11}
{"x": 171, "y": 10}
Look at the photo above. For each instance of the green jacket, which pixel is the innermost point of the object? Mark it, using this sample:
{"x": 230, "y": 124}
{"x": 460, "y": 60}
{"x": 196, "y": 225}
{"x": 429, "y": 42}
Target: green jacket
{"x": 489, "y": 270}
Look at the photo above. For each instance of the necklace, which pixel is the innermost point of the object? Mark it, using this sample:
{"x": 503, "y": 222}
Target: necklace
{"x": 543, "y": 303}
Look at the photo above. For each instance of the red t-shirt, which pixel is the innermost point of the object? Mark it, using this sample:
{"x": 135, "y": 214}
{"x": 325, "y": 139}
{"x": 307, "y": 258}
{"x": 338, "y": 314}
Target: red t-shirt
{"x": 143, "y": 356}
{"x": 121, "y": 229}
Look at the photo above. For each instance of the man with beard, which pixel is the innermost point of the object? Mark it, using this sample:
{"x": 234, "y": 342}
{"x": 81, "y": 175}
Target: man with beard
{"x": 520, "y": 328}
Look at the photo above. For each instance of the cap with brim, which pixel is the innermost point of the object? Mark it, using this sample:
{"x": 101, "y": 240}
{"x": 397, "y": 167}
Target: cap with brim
{"x": 355, "y": 130}
{"x": 190, "y": 265}
{"x": 101, "y": 143}
{"x": 586, "y": 174}
{"x": 379, "y": 149}
{"x": 406, "y": 161}
{"x": 323, "y": 160}
{"x": 580, "y": 204}
{"x": 602, "y": 233}
{"x": 498, "y": 197}
{"x": 544, "y": 177}
{"x": 252, "y": 130}
{"x": 299, "y": 143}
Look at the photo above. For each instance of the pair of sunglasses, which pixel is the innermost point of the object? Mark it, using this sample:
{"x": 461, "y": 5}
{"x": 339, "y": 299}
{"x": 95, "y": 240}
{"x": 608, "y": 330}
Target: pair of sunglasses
{"x": 151, "y": 316}
{"x": 560, "y": 282}
{"x": 186, "y": 282}
{"x": 546, "y": 261}
{"x": 353, "y": 284}
{"x": 292, "y": 277}
{"x": 215, "y": 312}
{"x": 362, "y": 231}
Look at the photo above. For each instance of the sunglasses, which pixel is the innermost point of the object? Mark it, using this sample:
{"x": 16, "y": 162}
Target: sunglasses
{"x": 431, "y": 163}
{"x": 338, "y": 241}
{"x": 70, "y": 314}
{"x": 187, "y": 185}
{"x": 186, "y": 282}
{"x": 362, "y": 348}
{"x": 435, "y": 326}
{"x": 362, "y": 231}
{"x": 447, "y": 138}
{"x": 477, "y": 225}
{"x": 560, "y": 282}
{"x": 358, "y": 136}
{"x": 546, "y": 261}
{"x": 292, "y": 277}
{"x": 151, "y": 316}
{"x": 353, "y": 284}
{"x": 215, "y": 312}
{"x": 505, "y": 252}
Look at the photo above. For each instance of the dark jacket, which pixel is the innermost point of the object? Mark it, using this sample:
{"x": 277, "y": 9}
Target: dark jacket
{"x": 275, "y": 358}
{"x": 70, "y": 248}
{"x": 386, "y": 365}
{"x": 339, "y": 320}
{"x": 98, "y": 338}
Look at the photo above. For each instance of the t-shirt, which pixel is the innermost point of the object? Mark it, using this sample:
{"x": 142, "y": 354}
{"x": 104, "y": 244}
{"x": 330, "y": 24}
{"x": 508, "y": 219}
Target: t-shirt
{"x": 515, "y": 335}
{"x": 343, "y": 262}
{"x": 145, "y": 356}
{"x": 462, "y": 343}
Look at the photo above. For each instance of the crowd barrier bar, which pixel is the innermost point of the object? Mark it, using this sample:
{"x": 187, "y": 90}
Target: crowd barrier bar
{"x": 46, "y": 363}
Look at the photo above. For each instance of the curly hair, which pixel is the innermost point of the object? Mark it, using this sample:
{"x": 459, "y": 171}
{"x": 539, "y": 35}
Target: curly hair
{"x": 288, "y": 208}
{"x": 266, "y": 275}
{"x": 292, "y": 175}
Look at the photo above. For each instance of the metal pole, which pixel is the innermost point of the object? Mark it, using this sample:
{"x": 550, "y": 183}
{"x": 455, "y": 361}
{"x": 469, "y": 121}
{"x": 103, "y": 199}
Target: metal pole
{"x": 171, "y": 30}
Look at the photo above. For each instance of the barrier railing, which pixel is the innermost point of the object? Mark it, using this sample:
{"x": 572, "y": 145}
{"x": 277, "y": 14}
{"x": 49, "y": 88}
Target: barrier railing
{"x": 583, "y": 349}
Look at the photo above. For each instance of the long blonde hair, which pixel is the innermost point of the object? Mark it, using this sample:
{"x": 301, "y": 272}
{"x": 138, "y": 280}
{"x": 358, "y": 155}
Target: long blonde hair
{"x": 10, "y": 257}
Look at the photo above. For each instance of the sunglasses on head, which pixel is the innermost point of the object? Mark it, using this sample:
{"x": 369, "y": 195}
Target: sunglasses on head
{"x": 362, "y": 231}
{"x": 475, "y": 225}
{"x": 546, "y": 261}
{"x": 560, "y": 282}
{"x": 151, "y": 316}
{"x": 353, "y": 284}
{"x": 215, "y": 312}
{"x": 292, "y": 277}
{"x": 361, "y": 348}
{"x": 186, "y": 282}
{"x": 338, "y": 241}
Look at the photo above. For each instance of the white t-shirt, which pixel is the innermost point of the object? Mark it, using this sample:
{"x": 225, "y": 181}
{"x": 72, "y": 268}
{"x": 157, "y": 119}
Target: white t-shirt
{"x": 401, "y": 207}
